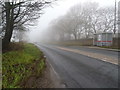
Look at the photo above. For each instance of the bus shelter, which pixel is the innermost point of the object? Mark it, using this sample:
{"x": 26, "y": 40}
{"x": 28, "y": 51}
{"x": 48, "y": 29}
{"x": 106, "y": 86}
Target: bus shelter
{"x": 103, "y": 39}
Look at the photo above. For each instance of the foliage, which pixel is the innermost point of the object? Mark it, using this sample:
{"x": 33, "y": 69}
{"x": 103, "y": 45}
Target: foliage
{"x": 20, "y": 64}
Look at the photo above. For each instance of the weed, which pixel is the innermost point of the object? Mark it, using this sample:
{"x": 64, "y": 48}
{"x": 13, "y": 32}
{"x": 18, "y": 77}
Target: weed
{"x": 17, "y": 65}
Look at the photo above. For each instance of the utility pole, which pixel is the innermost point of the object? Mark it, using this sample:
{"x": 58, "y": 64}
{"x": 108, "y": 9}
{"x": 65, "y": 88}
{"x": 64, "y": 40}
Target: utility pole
{"x": 119, "y": 17}
{"x": 114, "y": 31}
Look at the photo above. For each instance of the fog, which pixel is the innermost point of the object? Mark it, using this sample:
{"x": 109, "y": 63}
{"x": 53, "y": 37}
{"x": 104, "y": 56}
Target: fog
{"x": 60, "y": 8}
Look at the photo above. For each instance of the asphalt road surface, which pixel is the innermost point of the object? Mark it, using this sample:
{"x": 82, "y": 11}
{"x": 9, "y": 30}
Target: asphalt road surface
{"x": 77, "y": 70}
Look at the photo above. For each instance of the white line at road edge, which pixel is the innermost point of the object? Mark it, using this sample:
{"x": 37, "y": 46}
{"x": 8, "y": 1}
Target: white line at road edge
{"x": 60, "y": 84}
{"x": 54, "y": 70}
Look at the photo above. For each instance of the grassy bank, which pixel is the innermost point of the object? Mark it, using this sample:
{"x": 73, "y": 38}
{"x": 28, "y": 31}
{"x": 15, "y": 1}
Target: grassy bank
{"x": 18, "y": 65}
{"x": 109, "y": 47}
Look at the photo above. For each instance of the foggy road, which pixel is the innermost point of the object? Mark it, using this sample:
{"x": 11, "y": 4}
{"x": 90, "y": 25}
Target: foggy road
{"x": 77, "y": 70}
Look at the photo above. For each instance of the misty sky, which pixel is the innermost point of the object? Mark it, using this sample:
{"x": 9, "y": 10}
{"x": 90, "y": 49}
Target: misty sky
{"x": 58, "y": 9}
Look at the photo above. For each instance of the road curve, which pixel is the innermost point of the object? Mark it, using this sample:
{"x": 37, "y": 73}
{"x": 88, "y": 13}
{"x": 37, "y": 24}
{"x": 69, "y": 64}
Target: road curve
{"x": 80, "y": 71}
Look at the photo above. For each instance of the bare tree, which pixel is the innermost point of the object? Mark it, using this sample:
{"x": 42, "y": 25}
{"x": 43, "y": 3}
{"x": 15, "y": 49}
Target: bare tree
{"x": 84, "y": 20}
{"x": 18, "y": 13}
{"x": 106, "y": 19}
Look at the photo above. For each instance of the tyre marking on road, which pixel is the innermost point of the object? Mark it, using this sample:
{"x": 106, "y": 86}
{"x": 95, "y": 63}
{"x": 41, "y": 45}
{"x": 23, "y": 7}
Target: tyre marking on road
{"x": 93, "y": 55}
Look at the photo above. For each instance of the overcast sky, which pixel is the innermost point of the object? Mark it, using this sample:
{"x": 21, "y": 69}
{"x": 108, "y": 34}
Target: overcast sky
{"x": 58, "y": 9}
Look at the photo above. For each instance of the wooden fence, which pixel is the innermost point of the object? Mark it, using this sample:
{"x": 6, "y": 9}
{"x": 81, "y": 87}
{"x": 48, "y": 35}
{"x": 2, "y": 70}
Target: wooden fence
{"x": 88, "y": 42}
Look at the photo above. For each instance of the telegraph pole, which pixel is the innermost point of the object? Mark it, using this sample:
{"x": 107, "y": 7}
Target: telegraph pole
{"x": 119, "y": 17}
{"x": 114, "y": 31}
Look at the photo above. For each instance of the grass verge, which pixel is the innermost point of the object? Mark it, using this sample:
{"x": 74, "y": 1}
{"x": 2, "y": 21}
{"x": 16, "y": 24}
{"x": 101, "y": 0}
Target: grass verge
{"x": 110, "y": 47}
{"x": 18, "y": 65}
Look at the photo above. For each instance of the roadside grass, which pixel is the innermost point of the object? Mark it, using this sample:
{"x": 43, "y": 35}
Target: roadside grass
{"x": 18, "y": 65}
{"x": 109, "y": 47}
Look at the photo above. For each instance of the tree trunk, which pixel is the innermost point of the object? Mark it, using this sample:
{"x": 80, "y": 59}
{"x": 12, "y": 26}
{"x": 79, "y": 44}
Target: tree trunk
{"x": 9, "y": 26}
{"x": 75, "y": 36}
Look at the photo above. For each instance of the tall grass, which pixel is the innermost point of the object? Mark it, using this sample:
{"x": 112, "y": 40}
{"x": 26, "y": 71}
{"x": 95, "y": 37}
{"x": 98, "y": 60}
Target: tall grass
{"x": 18, "y": 65}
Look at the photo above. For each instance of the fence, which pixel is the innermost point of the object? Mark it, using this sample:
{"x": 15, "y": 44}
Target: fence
{"x": 88, "y": 42}
{"x": 116, "y": 42}
{"x": 83, "y": 42}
